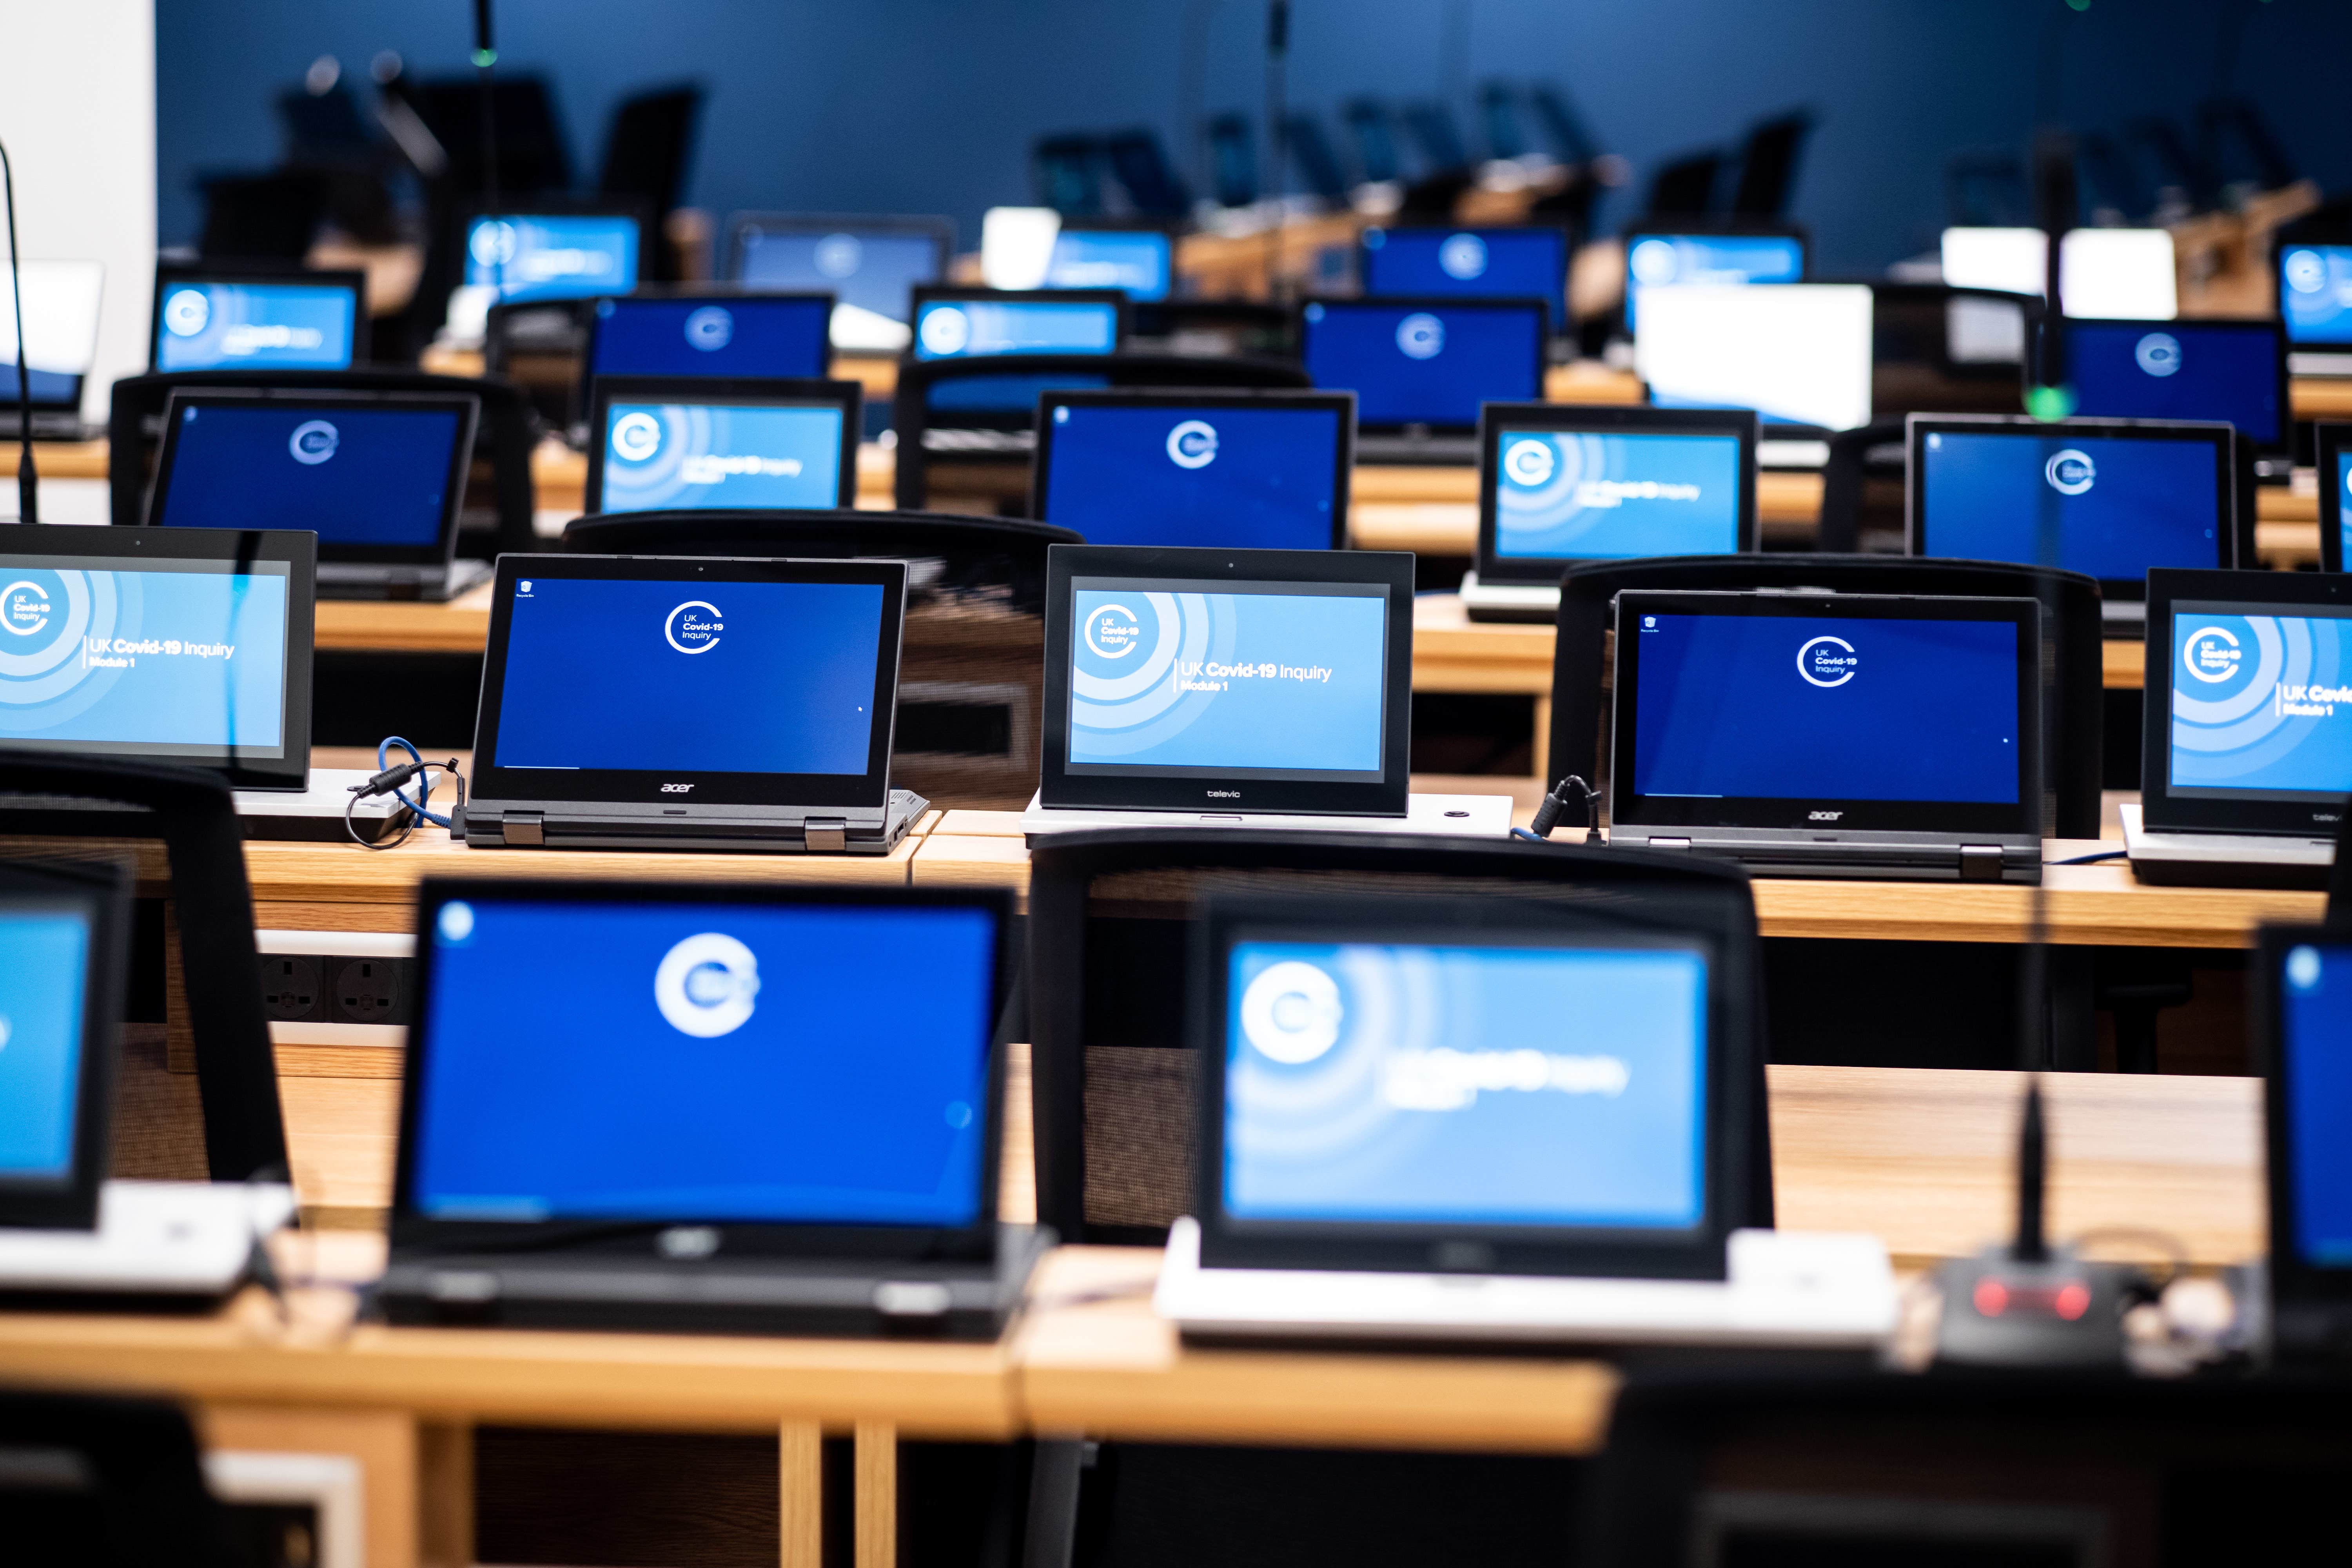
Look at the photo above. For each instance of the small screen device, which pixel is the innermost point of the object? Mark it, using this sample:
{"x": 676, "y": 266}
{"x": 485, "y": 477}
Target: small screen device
{"x": 2316, "y": 293}
{"x": 1520, "y": 262}
{"x": 970, "y": 323}
{"x": 871, "y": 265}
{"x": 1427, "y": 363}
{"x": 1798, "y": 353}
{"x": 63, "y": 932}
{"x": 2231, "y": 370}
{"x": 2332, "y": 447}
{"x": 2303, "y": 1024}
{"x": 1141, "y": 263}
{"x": 211, "y": 318}
{"x": 522, "y": 258}
{"x": 1661, "y": 259}
{"x": 669, "y": 443}
{"x": 1559, "y": 484}
{"x": 711, "y": 334}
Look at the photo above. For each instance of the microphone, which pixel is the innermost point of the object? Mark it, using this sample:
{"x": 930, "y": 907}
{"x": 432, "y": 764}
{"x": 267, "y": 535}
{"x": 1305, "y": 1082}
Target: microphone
{"x": 28, "y": 481}
{"x": 486, "y": 53}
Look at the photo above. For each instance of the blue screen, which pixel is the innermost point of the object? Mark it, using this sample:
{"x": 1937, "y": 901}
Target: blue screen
{"x": 968, "y": 329}
{"x": 1243, "y": 477}
{"x": 753, "y": 678}
{"x": 1576, "y": 495}
{"x": 1004, "y": 394}
{"x": 50, "y": 388}
{"x": 687, "y": 337}
{"x": 553, "y": 258}
{"x": 154, "y": 660}
{"x": 2107, "y": 507}
{"x": 256, "y": 326}
{"x": 2315, "y": 1038}
{"x": 867, "y": 271}
{"x": 353, "y": 476}
{"x": 1516, "y": 262}
{"x": 2262, "y": 704}
{"x": 1473, "y": 1084}
{"x": 2316, "y": 293}
{"x": 1138, "y": 261}
{"x": 1204, "y": 680}
{"x": 700, "y": 1061}
{"x": 2343, "y": 481}
{"x": 44, "y": 961}
{"x": 2133, "y": 370}
{"x": 1409, "y": 366}
{"x": 668, "y": 456}
{"x": 1652, "y": 259}
{"x": 1826, "y": 708}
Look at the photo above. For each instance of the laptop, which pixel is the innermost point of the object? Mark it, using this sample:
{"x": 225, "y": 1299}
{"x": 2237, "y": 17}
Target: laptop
{"x": 1236, "y": 688}
{"x": 1889, "y": 737}
{"x": 2233, "y": 371}
{"x": 870, "y": 264}
{"x": 2244, "y": 760}
{"x": 379, "y": 476}
{"x": 644, "y": 702}
{"x": 1797, "y": 354}
{"x": 1658, "y": 258}
{"x": 1559, "y": 483}
{"x": 2332, "y": 447}
{"x": 673, "y": 444}
{"x": 995, "y": 414}
{"x": 231, "y": 318}
{"x": 1520, "y": 262}
{"x": 2315, "y": 295}
{"x": 1141, "y": 263}
{"x": 69, "y": 1238}
{"x": 709, "y": 334}
{"x": 1440, "y": 1119}
{"x": 706, "y": 1108}
{"x": 60, "y": 313}
{"x": 2107, "y": 497}
{"x": 1421, "y": 368}
{"x": 1266, "y": 470}
{"x": 2303, "y": 1032}
{"x": 2125, "y": 273}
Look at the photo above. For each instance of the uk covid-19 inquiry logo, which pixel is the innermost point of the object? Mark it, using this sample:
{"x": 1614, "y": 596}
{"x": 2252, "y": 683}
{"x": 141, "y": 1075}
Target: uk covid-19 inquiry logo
{"x": 2069, "y": 472}
{"x": 1421, "y": 336}
{"x": 1193, "y": 444}
{"x": 1529, "y": 462}
{"x": 694, "y": 627}
{"x": 708, "y": 986}
{"x": 945, "y": 330}
{"x": 1114, "y": 631}
{"x": 1462, "y": 257}
{"x": 710, "y": 329}
{"x": 635, "y": 436}
{"x": 313, "y": 442}
{"x": 187, "y": 313}
{"x": 2212, "y": 654}
{"x": 2158, "y": 354}
{"x": 24, "y": 609}
{"x": 1828, "y": 661}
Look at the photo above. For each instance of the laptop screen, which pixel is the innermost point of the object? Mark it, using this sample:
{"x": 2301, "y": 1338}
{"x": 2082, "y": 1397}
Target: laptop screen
{"x": 290, "y": 325}
{"x": 1798, "y": 354}
{"x": 2261, "y": 701}
{"x": 782, "y": 336}
{"x": 2107, "y": 506}
{"x": 2316, "y": 293}
{"x": 2124, "y": 273}
{"x": 2340, "y": 476}
{"x": 1139, "y": 262}
{"x": 1163, "y": 472}
{"x": 969, "y": 329}
{"x": 1520, "y": 263}
{"x": 353, "y": 474}
{"x": 766, "y": 454}
{"x": 1433, "y": 1083}
{"x": 2180, "y": 369}
{"x": 61, "y": 300}
{"x": 758, "y": 1062}
{"x": 1652, "y": 260}
{"x": 869, "y": 270}
{"x": 2314, "y": 1041}
{"x": 553, "y": 258}
{"x": 1429, "y": 362}
{"x": 1587, "y": 494}
{"x": 44, "y": 968}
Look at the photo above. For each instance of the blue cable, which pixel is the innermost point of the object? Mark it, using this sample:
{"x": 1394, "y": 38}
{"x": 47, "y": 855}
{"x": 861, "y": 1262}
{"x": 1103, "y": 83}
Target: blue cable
{"x": 425, "y": 788}
{"x": 2086, "y": 859}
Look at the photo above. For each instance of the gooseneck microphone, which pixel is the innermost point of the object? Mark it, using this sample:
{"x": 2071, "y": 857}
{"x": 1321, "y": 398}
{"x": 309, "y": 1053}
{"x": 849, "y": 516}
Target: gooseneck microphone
{"x": 28, "y": 482}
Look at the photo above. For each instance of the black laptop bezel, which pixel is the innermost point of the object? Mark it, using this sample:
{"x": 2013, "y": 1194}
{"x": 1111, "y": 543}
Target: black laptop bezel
{"x": 708, "y": 793}
{"x": 2293, "y": 1280}
{"x": 1239, "y": 791}
{"x": 1484, "y": 232}
{"x": 733, "y": 391}
{"x": 2280, "y": 444}
{"x": 2330, "y": 442}
{"x": 1431, "y": 303}
{"x": 1657, "y": 1253}
{"x": 2021, "y": 819}
{"x": 2222, "y": 435}
{"x": 99, "y": 893}
{"x": 1497, "y": 419}
{"x": 700, "y": 295}
{"x": 2162, "y": 809}
{"x": 940, "y": 231}
{"x": 1341, "y": 403}
{"x": 1122, "y": 308}
{"x": 412, "y": 1232}
{"x": 466, "y": 406}
{"x": 169, "y": 274}
{"x": 125, "y": 549}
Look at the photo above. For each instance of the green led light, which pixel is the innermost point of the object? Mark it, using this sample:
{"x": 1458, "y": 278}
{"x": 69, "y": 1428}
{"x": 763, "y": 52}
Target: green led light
{"x": 2078, "y": 4}
{"x": 2049, "y": 402}
{"x": 486, "y": 58}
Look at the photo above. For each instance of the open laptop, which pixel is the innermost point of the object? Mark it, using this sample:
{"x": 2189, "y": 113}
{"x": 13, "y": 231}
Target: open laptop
{"x": 1420, "y": 368}
{"x": 646, "y": 702}
{"x": 2302, "y": 989}
{"x": 707, "y": 1108}
{"x": 2315, "y": 295}
{"x": 231, "y": 318}
{"x": 1559, "y": 483}
{"x": 670, "y": 443}
{"x": 1517, "y": 262}
{"x": 996, "y": 413}
{"x": 2208, "y": 368}
{"x": 2107, "y": 497}
{"x": 2246, "y": 749}
{"x": 706, "y": 333}
{"x": 1141, "y": 263}
{"x": 1843, "y": 735}
{"x": 1662, "y": 257}
{"x": 1798, "y": 353}
{"x": 870, "y": 264}
{"x": 60, "y": 314}
{"x": 379, "y": 476}
{"x": 2332, "y": 447}
{"x": 1233, "y": 687}
{"x": 1265, "y": 470}
{"x": 68, "y": 1237}
{"x": 1429, "y": 1118}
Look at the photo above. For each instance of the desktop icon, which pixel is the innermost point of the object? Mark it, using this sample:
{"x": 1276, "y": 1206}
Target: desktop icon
{"x": 711, "y": 329}
{"x": 1464, "y": 257}
{"x": 2158, "y": 353}
{"x": 707, "y": 984}
{"x": 1193, "y": 444}
{"x": 313, "y": 442}
{"x": 1421, "y": 336}
{"x": 2069, "y": 472}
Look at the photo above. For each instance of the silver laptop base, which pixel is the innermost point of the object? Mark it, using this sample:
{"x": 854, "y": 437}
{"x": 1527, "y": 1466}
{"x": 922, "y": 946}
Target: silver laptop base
{"x": 1454, "y": 815}
{"x": 2178, "y": 859}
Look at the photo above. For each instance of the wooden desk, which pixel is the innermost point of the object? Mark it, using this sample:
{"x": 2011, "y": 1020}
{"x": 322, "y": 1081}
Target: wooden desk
{"x": 58, "y": 460}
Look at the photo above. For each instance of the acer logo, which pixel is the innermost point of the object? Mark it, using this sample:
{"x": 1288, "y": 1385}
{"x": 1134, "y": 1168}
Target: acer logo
{"x": 1824, "y": 815}
{"x": 675, "y": 789}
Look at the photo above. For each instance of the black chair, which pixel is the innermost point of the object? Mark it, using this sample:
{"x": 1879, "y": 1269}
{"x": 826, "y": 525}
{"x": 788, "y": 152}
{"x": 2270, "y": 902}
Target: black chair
{"x": 647, "y": 155}
{"x": 272, "y": 216}
{"x": 1066, "y": 173}
{"x": 1232, "y": 160}
{"x": 1862, "y": 487}
{"x": 1312, "y": 158}
{"x": 1936, "y": 348}
{"x": 2073, "y": 698}
{"x": 1768, "y": 167}
{"x": 107, "y": 1482}
{"x": 1685, "y": 189}
{"x": 972, "y": 672}
{"x": 1372, "y": 127}
{"x": 1139, "y": 164}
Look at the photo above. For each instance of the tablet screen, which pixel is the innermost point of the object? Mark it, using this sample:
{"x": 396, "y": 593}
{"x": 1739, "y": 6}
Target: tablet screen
{"x": 2261, "y": 702}
{"x": 1582, "y": 495}
{"x": 2315, "y": 1038}
{"x": 668, "y": 456}
{"x": 1652, "y": 260}
{"x": 2316, "y": 293}
{"x": 1135, "y": 261}
{"x": 553, "y": 258}
{"x": 1518, "y": 263}
{"x": 873, "y": 272}
{"x": 254, "y": 326}
{"x": 2180, "y": 369}
{"x": 43, "y": 966}
{"x": 968, "y": 329}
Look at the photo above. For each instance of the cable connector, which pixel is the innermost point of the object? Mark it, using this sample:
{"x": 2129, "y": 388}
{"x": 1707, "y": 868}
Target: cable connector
{"x": 392, "y": 780}
{"x": 1549, "y": 814}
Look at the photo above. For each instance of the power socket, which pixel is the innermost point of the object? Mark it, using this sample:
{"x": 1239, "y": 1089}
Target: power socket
{"x": 290, "y": 992}
{"x": 370, "y": 990}
{"x": 336, "y": 988}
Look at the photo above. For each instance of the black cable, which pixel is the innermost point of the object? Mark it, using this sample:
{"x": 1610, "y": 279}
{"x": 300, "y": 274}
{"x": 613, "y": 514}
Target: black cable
{"x": 1547, "y": 815}
{"x": 2087, "y": 859}
{"x": 28, "y": 481}
{"x": 389, "y": 782}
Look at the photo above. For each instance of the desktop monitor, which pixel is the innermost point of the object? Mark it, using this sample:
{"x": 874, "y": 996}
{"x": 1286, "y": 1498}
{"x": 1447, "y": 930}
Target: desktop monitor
{"x": 1265, "y": 470}
{"x": 1529, "y": 262}
{"x": 667, "y": 444}
{"x": 1797, "y": 354}
{"x": 711, "y": 334}
{"x": 871, "y": 265}
{"x": 2107, "y": 497}
{"x": 1428, "y": 363}
{"x": 1559, "y": 484}
{"x": 1657, "y": 260}
{"x": 174, "y": 644}
{"x": 2314, "y": 293}
{"x": 2106, "y": 273}
{"x": 1139, "y": 262}
{"x": 213, "y": 319}
{"x": 60, "y": 312}
{"x": 2331, "y": 446}
{"x": 2233, "y": 370}
{"x": 522, "y": 258}
{"x": 63, "y": 932}
{"x": 972, "y": 323}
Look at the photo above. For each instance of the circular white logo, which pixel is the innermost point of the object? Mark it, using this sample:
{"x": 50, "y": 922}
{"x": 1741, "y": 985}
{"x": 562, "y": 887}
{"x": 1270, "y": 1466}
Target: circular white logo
{"x": 2069, "y": 472}
{"x": 1193, "y": 444}
{"x": 3, "y": 1033}
{"x": 1815, "y": 660}
{"x": 313, "y": 442}
{"x": 2158, "y": 353}
{"x": 456, "y": 922}
{"x": 2212, "y": 654}
{"x": 187, "y": 311}
{"x": 1113, "y": 632}
{"x": 1462, "y": 255}
{"x": 1529, "y": 462}
{"x": 946, "y": 331}
{"x": 707, "y": 984}
{"x": 635, "y": 436}
{"x": 1420, "y": 335}
{"x": 24, "y": 607}
{"x": 839, "y": 254}
{"x": 1653, "y": 261}
{"x": 494, "y": 243}
{"x": 709, "y": 327}
{"x": 2303, "y": 968}
{"x": 2306, "y": 274}
{"x": 691, "y": 632}
{"x": 1291, "y": 1012}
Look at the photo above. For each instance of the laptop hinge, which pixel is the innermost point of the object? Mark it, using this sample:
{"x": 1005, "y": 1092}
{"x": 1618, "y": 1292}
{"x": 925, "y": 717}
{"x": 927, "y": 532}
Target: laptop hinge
{"x": 826, "y": 833}
{"x": 527, "y": 828}
{"x": 1668, "y": 843}
{"x": 1981, "y": 863}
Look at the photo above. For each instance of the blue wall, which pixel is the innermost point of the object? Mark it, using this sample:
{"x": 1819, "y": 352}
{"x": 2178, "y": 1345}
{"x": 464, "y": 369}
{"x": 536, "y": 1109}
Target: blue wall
{"x": 929, "y": 105}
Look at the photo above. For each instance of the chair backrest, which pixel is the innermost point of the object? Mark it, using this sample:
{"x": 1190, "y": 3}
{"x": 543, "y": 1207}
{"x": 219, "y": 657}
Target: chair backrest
{"x": 972, "y": 672}
{"x": 1686, "y": 187}
{"x": 1768, "y": 166}
{"x": 196, "y": 816}
{"x": 1932, "y": 346}
{"x": 1859, "y": 489}
{"x": 498, "y": 493}
{"x": 2074, "y": 697}
{"x": 101, "y": 1478}
{"x": 1114, "y": 1084}
{"x": 647, "y": 153}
